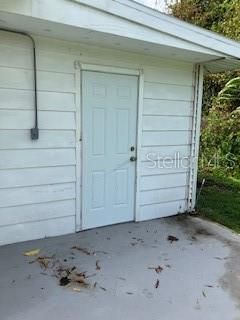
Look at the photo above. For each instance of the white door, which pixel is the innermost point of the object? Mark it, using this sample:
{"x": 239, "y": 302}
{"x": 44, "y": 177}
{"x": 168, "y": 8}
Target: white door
{"x": 109, "y": 148}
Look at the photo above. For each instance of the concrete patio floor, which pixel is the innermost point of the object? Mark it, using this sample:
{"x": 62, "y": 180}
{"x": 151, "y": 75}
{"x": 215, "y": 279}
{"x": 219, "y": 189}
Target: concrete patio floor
{"x": 200, "y": 277}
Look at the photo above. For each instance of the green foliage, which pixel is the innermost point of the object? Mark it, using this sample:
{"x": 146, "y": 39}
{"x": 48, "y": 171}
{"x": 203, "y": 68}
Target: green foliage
{"x": 220, "y": 139}
{"x": 213, "y": 84}
{"x": 220, "y": 201}
{"x": 216, "y": 15}
{"x": 231, "y": 91}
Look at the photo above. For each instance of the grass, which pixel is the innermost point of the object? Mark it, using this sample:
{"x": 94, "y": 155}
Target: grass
{"x": 219, "y": 201}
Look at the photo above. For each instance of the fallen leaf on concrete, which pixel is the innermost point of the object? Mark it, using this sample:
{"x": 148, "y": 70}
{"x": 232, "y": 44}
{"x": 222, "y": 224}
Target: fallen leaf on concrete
{"x": 32, "y": 253}
{"x": 97, "y": 265}
{"x": 158, "y": 269}
{"x": 99, "y": 251}
{"x": 44, "y": 262}
{"x": 80, "y": 280}
{"x": 172, "y": 238}
{"x": 64, "y": 281}
{"x": 82, "y": 250}
{"x": 104, "y": 289}
{"x": 121, "y": 278}
{"x": 91, "y": 275}
{"x": 219, "y": 258}
{"x": 157, "y": 284}
{"x": 130, "y": 293}
{"x": 76, "y": 289}
{"x": 204, "y": 294}
{"x": 209, "y": 286}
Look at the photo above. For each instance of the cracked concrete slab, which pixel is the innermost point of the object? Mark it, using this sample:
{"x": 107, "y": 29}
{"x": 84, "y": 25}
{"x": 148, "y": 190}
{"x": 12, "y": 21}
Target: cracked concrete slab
{"x": 198, "y": 278}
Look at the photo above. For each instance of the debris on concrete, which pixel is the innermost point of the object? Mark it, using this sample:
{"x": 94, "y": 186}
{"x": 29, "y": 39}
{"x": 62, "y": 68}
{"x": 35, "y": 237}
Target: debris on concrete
{"x": 157, "y": 284}
{"x": 98, "y": 267}
{"x": 209, "y": 286}
{"x": 121, "y": 278}
{"x": 172, "y": 238}
{"x": 44, "y": 261}
{"x": 158, "y": 269}
{"x": 32, "y": 253}
{"x": 67, "y": 275}
{"x": 104, "y": 289}
{"x": 99, "y": 251}
{"x": 64, "y": 281}
{"x": 83, "y": 250}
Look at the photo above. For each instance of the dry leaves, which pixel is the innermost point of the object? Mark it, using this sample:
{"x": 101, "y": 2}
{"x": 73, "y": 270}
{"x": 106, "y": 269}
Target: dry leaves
{"x": 172, "y": 238}
{"x": 32, "y": 253}
{"x": 157, "y": 284}
{"x": 83, "y": 250}
{"x": 98, "y": 267}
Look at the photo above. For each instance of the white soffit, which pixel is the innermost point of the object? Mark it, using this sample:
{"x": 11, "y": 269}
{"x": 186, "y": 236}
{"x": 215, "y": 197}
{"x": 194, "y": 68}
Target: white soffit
{"x": 222, "y": 65}
{"x": 65, "y": 32}
{"x": 156, "y": 20}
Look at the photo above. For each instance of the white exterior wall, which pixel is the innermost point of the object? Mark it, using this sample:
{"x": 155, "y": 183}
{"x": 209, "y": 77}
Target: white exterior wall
{"x": 40, "y": 180}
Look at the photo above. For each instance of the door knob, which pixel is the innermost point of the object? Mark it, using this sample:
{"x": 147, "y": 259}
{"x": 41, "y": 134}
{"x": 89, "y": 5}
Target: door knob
{"x": 133, "y": 159}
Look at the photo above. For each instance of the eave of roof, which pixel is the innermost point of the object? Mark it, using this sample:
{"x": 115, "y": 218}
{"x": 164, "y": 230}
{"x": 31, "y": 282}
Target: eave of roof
{"x": 140, "y": 14}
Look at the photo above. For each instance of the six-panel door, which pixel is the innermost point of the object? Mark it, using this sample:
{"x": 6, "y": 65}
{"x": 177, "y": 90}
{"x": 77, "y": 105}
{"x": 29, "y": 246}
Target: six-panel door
{"x": 109, "y": 142}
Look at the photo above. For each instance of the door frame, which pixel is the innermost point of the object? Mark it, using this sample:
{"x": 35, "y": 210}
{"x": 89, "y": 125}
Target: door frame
{"x": 80, "y": 148}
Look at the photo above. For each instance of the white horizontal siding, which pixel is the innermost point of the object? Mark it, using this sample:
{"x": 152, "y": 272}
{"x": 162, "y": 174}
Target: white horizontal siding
{"x": 24, "y": 100}
{"x": 167, "y": 91}
{"x": 16, "y": 78}
{"x": 19, "y": 139}
{"x": 36, "y": 212}
{"x": 166, "y": 123}
{"x": 162, "y": 195}
{"x": 155, "y": 182}
{"x": 167, "y": 108}
{"x": 36, "y": 158}
{"x": 166, "y": 74}
{"x": 38, "y": 178}
{"x": 166, "y": 141}
{"x": 149, "y": 168}
{"x": 154, "y": 211}
{"x": 37, "y": 229}
{"x": 36, "y": 194}
{"x": 175, "y": 152}
{"x": 24, "y": 119}
{"x": 166, "y": 138}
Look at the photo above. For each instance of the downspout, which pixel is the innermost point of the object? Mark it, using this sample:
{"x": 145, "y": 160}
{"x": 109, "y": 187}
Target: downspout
{"x": 34, "y": 132}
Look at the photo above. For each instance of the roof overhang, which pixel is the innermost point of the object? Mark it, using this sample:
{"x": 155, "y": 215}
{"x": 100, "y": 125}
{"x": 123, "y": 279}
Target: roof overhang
{"x": 123, "y": 25}
{"x": 221, "y": 65}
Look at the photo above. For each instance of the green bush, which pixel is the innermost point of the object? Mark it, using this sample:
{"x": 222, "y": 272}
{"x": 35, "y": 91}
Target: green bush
{"x": 220, "y": 141}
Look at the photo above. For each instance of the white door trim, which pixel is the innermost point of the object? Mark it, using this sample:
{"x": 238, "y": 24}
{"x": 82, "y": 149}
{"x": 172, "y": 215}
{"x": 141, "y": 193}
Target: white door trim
{"x": 139, "y": 142}
{"x": 109, "y": 69}
{"x": 81, "y": 159}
